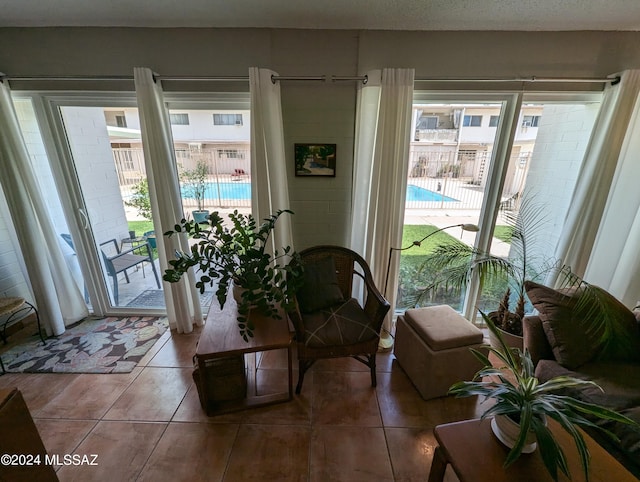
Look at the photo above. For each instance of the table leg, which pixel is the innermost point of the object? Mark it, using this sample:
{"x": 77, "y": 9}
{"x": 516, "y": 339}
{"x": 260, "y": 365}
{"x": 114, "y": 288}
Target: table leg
{"x": 438, "y": 466}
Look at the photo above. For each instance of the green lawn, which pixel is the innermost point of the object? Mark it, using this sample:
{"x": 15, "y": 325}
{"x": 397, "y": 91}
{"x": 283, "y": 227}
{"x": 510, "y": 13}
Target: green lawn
{"x": 140, "y": 227}
{"x": 502, "y": 233}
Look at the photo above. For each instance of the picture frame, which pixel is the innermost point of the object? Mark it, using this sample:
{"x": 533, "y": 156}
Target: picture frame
{"x": 315, "y": 160}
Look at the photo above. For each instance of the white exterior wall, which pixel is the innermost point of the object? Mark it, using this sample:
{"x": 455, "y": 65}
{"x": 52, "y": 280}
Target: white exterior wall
{"x": 87, "y": 132}
{"x": 201, "y": 127}
{"x": 563, "y": 136}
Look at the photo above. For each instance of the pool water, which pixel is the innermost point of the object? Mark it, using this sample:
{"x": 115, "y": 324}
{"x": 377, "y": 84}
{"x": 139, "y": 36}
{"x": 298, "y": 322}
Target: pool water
{"x": 242, "y": 190}
{"x": 228, "y": 190}
{"x": 416, "y": 193}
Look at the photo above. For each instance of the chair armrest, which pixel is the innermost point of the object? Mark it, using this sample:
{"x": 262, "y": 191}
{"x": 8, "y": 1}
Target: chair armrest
{"x": 375, "y": 305}
{"x": 535, "y": 340}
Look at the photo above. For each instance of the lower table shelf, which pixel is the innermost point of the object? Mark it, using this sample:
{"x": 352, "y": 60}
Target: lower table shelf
{"x": 225, "y": 367}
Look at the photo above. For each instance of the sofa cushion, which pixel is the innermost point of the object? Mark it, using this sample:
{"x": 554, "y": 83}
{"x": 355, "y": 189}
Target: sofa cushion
{"x": 572, "y": 344}
{"x": 571, "y": 335}
{"x": 620, "y": 382}
{"x": 345, "y": 323}
{"x": 319, "y": 287}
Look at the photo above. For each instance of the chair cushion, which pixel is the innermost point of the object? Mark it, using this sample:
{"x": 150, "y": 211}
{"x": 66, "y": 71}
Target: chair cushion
{"x": 571, "y": 336}
{"x": 319, "y": 288}
{"x": 341, "y": 324}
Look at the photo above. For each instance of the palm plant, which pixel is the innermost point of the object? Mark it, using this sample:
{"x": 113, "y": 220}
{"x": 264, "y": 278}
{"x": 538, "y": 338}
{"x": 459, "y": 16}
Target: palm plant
{"x": 519, "y": 395}
{"x": 453, "y": 264}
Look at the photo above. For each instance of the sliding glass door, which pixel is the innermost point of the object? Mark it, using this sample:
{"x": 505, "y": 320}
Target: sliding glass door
{"x": 474, "y": 158}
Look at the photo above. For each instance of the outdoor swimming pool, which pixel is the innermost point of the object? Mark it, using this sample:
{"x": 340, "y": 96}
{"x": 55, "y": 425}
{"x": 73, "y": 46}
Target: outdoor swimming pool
{"x": 227, "y": 190}
{"x": 242, "y": 190}
{"x": 417, "y": 193}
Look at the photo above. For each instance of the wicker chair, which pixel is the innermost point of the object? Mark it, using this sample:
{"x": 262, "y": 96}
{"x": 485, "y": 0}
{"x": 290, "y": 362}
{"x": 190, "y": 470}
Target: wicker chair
{"x": 328, "y": 321}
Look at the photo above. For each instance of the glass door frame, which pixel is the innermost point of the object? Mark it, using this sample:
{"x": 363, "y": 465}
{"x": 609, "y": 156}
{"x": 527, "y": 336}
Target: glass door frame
{"x": 512, "y": 102}
{"x": 49, "y": 116}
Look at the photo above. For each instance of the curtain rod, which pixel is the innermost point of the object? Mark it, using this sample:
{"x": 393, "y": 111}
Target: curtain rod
{"x": 322, "y": 78}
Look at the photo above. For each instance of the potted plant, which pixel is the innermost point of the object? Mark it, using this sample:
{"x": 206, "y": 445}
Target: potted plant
{"x": 236, "y": 257}
{"x": 453, "y": 264}
{"x": 195, "y": 186}
{"x": 522, "y": 401}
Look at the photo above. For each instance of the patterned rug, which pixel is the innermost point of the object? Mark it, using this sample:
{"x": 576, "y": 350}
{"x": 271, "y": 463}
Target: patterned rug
{"x": 95, "y": 345}
{"x": 155, "y": 299}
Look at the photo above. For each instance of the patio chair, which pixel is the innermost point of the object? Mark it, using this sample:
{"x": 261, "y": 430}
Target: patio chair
{"x": 125, "y": 259}
{"x": 328, "y": 321}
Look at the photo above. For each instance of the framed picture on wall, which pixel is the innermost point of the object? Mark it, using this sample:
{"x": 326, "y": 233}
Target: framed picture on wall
{"x": 315, "y": 159}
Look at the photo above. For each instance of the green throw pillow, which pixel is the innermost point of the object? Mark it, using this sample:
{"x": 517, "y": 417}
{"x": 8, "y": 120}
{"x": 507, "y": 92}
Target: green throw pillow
{"x": 319, "y": 288}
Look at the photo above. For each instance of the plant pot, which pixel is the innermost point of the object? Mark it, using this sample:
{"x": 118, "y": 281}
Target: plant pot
{"x": 200, "y": 216}
{"x": 507, "y": 431}
{"x": 512, "y": 341}
{"x": 236, "y": 291}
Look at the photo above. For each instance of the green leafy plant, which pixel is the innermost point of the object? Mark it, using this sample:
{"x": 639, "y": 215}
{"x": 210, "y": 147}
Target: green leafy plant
{"x": 195, "y": 182}
{"x": 140, "y": 199}
{"x": 518, "y": 394}
{"x": 454, "y": 264}
{"x": 238, "y": 254}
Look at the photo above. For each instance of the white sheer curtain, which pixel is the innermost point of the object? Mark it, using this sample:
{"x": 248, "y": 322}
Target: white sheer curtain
{"x": 596, "y": 174}
{"x": 270, "y": 191}
{"x": 383, "y": 124}
{"x": 615, "y": 259}
{"x": 56, "y": 294}
{"x": 182, "y": 298}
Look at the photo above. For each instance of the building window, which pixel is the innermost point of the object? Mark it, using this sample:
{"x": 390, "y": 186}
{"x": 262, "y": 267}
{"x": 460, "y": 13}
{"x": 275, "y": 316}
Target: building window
{"x": 121, "y": 121}
{"x": 493, "y": 120}
{"x": 428, "y": 122}
{"x": 472, "y": 121}
{"x": 530, "y": 120}
{"x": 230, "y": 154}
{"x": 227, "y": 119}
{"x": 179, "y": 119}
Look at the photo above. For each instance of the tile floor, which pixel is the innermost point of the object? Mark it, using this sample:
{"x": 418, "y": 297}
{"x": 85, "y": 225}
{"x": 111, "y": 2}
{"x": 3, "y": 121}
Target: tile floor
{"x": 148, "y": 425}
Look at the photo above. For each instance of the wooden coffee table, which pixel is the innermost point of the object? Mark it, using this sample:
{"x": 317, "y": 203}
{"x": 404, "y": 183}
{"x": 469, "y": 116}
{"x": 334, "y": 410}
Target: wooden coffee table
{"x": 476, "y": 455}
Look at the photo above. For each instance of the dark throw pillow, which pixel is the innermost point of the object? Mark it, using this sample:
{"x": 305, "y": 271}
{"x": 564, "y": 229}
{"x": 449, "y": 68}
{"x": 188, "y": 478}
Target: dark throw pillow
{"x": 571, "y": 334}
{"x": 319, "y": 288}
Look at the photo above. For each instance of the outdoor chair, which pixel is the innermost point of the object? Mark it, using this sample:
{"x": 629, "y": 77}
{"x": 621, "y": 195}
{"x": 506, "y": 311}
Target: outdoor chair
{"x": 329, "y": 322}
{"x": 125, "y": 259}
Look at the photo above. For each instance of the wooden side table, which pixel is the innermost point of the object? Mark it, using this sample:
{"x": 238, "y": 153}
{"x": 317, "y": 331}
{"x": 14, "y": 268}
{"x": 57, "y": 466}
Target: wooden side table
{"x": 220, "y": 342}
{"x": 476, "y": 455}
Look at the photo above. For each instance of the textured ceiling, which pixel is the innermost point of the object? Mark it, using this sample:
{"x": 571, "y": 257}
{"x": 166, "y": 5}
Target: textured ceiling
{"x": 329, "y": 14}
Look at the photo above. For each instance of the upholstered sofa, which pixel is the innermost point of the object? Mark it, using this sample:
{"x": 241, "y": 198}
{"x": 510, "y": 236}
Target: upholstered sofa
{"x": 559, "y": 345}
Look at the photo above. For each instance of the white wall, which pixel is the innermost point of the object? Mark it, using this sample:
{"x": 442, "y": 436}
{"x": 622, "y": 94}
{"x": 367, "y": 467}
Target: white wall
{"x": 563, "y": 135}
{"x": 87, "y": 133}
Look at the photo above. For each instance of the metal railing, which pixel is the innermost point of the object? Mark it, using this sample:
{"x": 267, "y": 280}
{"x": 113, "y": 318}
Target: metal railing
{"x": 228, "y": 179}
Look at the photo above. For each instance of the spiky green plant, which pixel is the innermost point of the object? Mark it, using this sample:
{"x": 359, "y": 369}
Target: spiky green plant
{"x": 518, "y": 394}
{"x": 239, "y": 253}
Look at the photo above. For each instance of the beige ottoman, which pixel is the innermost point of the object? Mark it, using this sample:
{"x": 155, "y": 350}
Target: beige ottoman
{"x": 432, "y": 347}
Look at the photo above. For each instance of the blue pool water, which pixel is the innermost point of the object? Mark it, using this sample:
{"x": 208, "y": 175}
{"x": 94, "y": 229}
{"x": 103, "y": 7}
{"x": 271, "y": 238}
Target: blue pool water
{"x": 242, "y": 190}
{"x": 416, "y": 193}
{"x": 228, "y": 190}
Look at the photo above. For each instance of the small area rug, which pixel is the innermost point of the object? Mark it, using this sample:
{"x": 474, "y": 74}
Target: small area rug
{"x": 94, "y": 345}
{"x": 155, "y": 299}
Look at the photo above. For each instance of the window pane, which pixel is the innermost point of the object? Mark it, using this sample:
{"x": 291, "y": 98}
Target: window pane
{"x": 447, "y": 174}
{"x": 227, "y": 119}
{"x": 545, "y": 160}
{"x": 179, "y": 119}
